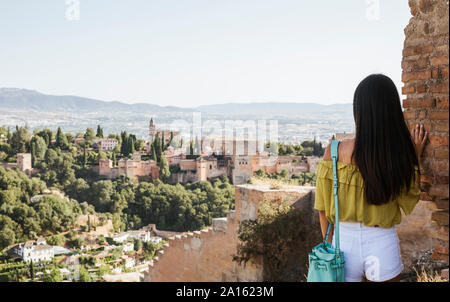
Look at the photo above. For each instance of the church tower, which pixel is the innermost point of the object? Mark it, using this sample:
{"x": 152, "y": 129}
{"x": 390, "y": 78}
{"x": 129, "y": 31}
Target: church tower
{"x": 152, "y": 132}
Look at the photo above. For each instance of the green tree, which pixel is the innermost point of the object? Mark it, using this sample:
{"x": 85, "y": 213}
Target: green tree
{"x": 139, "y": 144}
{"x": 154, "y": 156}
{"x": 47, "y": 135}
{"x": 53, "y": 276}
{"x": 84, "y": 274}
{"x": 8, "y": 228}
{"x": 114, "y": 159}
{"x": 61, "y": 140}
{"x": 31, "y": 270}
{"x": 89, "y": 135}
{"x": 39, "y": 146}
{"x": 164, "y": 171}
{"x": 99, "y": 132}
{"x": 103, "y": 270}
{"x": 137, "y": 245}
{"x": 19, "y": 140}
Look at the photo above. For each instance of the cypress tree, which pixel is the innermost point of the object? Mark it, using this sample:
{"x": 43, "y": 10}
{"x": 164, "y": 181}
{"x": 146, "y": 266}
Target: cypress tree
{"x": 131, "y": 147}
{"x": 164, "y": 171}
{"x": 31, "y": 271}
{"x": 9, "y": 136}
{"x": 33, "y": 155}
{"x": 155, "y": 158}
{"x": 158, "y": 149}
{"x": 61, "y": 139}
{"x": 191, "y": 147}
{"x": 84, "y": 157}
{"x": 99, "y": 132}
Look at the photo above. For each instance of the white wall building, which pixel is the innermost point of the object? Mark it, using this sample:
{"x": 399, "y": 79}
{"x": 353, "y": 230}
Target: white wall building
{"x": 142, "y": 235}
{"x": 128, "y": 247}
{"x": 35, "y": 251}
{"x": 106, "y": 144}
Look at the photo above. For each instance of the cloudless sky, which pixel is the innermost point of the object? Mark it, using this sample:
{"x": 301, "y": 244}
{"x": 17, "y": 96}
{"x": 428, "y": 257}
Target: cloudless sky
{"x": 197, "y": 52}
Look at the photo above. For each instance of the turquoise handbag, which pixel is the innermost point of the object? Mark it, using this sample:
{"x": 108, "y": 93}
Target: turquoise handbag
{"x": 325, "y": 263}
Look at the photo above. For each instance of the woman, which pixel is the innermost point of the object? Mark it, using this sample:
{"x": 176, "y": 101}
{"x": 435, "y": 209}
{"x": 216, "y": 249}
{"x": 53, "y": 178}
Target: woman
{"x": 378, "y": 175}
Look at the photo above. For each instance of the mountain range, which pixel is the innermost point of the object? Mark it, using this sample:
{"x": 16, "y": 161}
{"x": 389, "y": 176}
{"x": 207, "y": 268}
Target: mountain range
{"x": 30, "y": 100}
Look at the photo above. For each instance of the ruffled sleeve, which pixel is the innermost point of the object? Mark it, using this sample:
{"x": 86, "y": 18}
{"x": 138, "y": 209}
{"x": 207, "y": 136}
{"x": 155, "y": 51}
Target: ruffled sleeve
{"x": 408, "y": 200}
{"x": 322, "y": 186}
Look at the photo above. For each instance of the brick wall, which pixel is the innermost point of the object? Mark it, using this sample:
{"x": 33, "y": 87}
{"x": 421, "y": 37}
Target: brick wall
{"x": 426, "y": 84}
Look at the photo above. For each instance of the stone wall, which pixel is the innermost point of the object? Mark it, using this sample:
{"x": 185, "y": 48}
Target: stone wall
{"x": 426, "y": 84}
{"x": 207, "y": 255}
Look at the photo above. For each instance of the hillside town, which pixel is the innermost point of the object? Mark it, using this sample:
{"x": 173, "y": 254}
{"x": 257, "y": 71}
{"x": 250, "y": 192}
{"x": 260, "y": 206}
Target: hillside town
{"x": 96, "y": 254}
{"x": 93, "y": 245}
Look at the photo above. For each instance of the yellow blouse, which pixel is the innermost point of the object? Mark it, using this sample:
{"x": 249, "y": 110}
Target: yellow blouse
{"x": 352, "y": 204}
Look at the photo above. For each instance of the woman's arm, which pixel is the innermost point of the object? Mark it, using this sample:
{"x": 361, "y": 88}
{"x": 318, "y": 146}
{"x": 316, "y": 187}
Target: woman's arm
{"x": 324, "y": 226}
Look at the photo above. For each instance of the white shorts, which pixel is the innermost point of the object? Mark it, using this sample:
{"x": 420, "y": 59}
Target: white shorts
{"x": 372, "y": 252}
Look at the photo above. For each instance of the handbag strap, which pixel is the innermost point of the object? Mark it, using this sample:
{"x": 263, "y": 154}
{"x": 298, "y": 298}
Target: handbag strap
{"x": 334, "y": 158}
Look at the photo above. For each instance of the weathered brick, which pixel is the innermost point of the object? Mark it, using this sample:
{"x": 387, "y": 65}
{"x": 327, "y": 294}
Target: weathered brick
{"x": 438, "y": 141}
{"x": 442, "y": 179}
{"x": 437, "y": 256}
{"x": 425, "y": 196}
{"x": 417, "y": 64}
{"x": 417, "y": 50}
{"x": 408, "y": 89}
{"x": 441, "y": 154}
{"x": 416, "y": 76}
{"x": 439, "y": 61}
{"x": 440, "y": 166}
{"x": 439, "y": 88}
{"x": 435, "y": 73}
{"x": 409, "y": 114}
{"x": 442, "y": 103}
{"x": 442, "y": 204}
{"x": 421, "y": 88}
{"x": 419, "y": 103}
{"x": 444, "y": 72}
{"x": 439, "y": 191}
{"x": 441, "y": 126}
{"x": 426, "y": 6}
{"x": 441, "y": 249}
{"x": 441, "y": 217}
{"x": 426, "y": 178}
{"x": 439, "y": 115}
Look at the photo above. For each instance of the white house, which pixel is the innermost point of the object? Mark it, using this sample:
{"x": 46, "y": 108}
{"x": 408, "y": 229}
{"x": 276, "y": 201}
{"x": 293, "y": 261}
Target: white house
{"x": 121, "y": 237}
{"x": 128, "y": 247}
{"x": 129, "y": 262}
{"x": 106, "y": 144}
{"x": 35, "y": 251}
{"x": 143, "y": 235}
{"x": 155, "y": 239}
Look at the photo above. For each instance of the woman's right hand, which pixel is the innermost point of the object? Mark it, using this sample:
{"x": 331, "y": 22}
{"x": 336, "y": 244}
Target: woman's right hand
{"x": 419, "y": 137}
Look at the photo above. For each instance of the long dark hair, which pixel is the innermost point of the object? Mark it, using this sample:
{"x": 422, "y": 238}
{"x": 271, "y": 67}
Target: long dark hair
{"x": 384, "y": 151}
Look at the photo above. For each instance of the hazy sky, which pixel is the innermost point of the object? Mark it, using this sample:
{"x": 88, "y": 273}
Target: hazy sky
{"x": 196, "y": 52}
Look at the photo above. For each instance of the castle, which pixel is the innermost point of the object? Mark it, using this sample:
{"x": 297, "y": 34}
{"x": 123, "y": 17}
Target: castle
{"x": 129, "y": 167}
